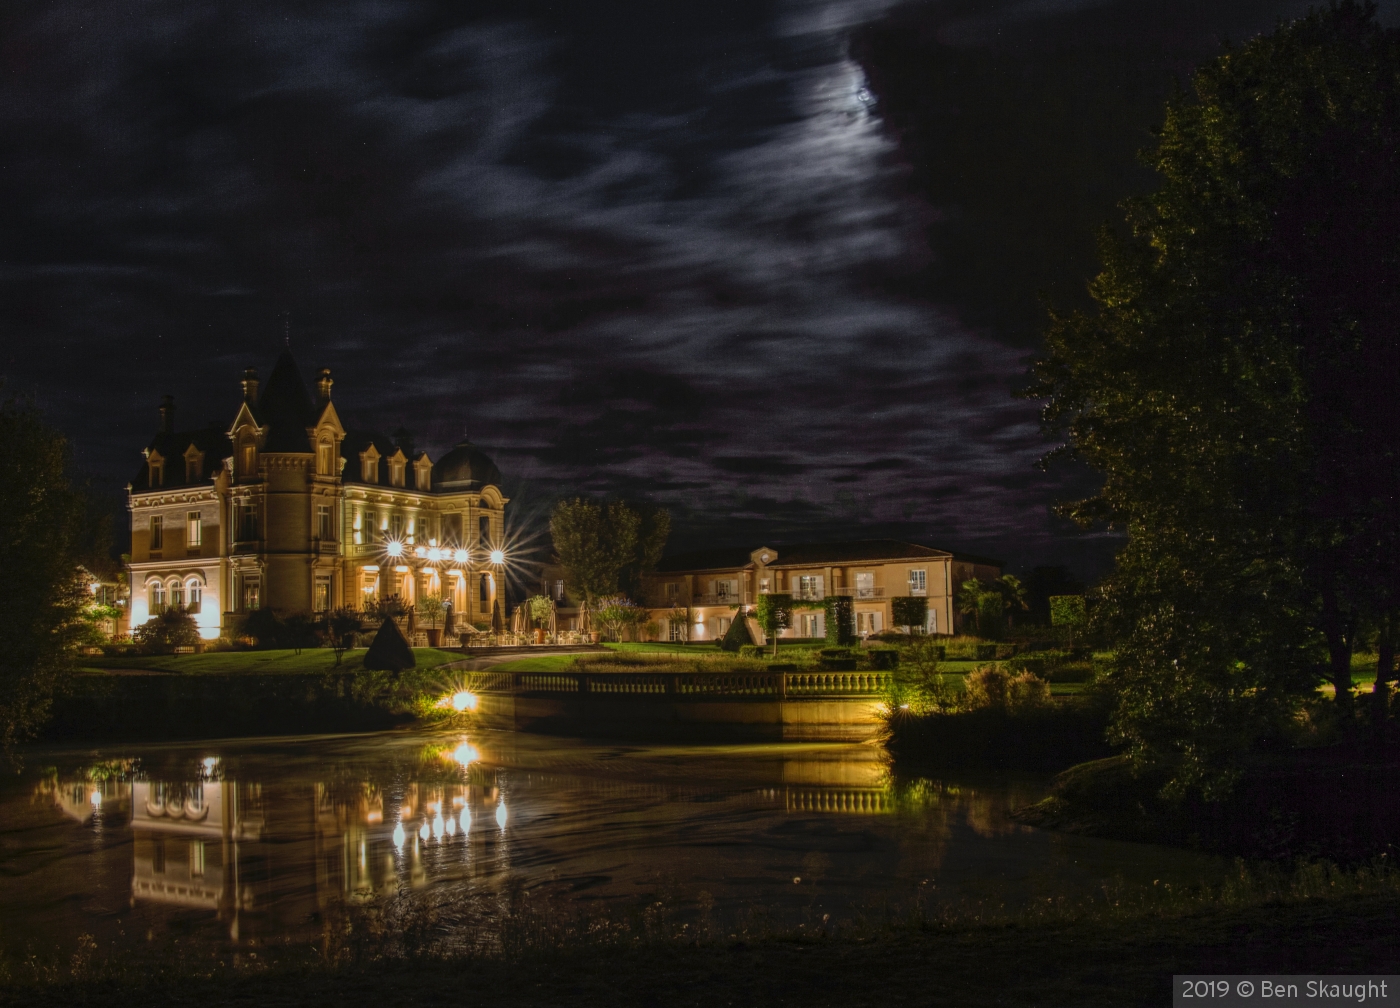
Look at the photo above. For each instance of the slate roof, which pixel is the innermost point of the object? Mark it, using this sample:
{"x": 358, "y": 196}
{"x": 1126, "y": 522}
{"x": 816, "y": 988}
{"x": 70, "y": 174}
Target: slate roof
{"x": 212, "y": 441}
{"x": 812, "y": 555}
{"x": 285, "y": 406}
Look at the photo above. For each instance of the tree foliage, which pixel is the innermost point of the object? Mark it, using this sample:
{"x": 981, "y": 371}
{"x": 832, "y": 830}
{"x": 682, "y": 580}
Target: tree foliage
{"x": 618, "y": 613}
{"x": 166, "y": 631}
{"x": 987, "y": 604}
{"x": 774, "y": 615}
{"x": 42, "y": 537}
{"x": 1234, "y": 389}
{"x": 606, "y": 549}
{"x": 909, "y": 610}
{"x": 340, "y": 627}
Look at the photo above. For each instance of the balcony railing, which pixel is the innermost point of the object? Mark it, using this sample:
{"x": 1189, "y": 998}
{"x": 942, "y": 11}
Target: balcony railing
{"x": 685, "y": 685}
{"x": 858, "y": 592}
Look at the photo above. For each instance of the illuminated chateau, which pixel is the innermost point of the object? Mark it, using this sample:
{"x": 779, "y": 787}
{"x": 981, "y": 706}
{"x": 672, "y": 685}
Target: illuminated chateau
{"x": 286, "y": 508}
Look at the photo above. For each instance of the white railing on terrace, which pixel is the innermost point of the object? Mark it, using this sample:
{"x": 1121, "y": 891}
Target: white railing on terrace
{"x": 678, "y": 685}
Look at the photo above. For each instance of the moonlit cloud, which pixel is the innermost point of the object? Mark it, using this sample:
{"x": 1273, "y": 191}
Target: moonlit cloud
{"x": 627, "y": 255}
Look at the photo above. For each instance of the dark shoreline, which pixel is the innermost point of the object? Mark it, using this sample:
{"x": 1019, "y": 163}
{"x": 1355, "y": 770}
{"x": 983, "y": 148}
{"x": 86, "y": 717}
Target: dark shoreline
{"x": 1085, "y": 964}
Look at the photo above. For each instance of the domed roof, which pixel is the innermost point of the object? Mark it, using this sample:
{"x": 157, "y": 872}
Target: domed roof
{"x": 465, "y": 467}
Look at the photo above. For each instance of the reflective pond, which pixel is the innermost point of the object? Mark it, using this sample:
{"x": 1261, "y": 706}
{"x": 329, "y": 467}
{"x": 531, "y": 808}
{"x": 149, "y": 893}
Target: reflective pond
{"x": 260, "y": 840}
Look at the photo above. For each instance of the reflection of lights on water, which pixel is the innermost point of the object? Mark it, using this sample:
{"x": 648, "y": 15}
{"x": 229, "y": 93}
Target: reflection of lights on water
{"x": 501, "y": 815}
{"x": 424, "y": 831}
{"x": 466, "y": 753}
{"x": 96, "y": 797}
{"x": 466, "y": 820}
{"x": 399, "y": 837}
{"x": 437, "y": 826}
{"x": 451, "y": 826}
{"x": 210, "y": 762}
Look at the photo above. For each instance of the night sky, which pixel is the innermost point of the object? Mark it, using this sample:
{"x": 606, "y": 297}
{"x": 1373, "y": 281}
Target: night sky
{"x": 778, "y": 266}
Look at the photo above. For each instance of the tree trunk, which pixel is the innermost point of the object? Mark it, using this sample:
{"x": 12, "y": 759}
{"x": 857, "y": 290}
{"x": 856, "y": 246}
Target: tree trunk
{"x": 1336, "y": 628}
{"x": 1385, "y": 672}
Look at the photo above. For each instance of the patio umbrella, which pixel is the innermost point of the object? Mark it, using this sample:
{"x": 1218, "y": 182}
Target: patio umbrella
{"x": 553, "y": 622}
{"x": 448, "y": 620}
{"x": 498, "y": 621}
{"x": 412, "y": 622}
{"x": 517, "y": 620}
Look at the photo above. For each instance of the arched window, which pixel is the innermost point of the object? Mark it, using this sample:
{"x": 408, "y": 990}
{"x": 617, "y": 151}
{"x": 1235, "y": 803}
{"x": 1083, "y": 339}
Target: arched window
{"x": 177, "y": 594}
{"x": 325, "y": 458}
{"x": 155, "y": 592}
{"x": 194, "y": 595}
{"x": 486, "y": 587}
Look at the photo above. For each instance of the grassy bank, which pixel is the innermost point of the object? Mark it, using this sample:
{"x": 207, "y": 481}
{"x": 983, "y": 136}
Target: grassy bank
{"x": 1336, "y": 802}
{"x": 1117, "y": 952}
{"x": 304, "y": 662}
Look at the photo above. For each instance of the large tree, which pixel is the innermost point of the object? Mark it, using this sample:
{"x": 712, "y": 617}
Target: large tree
{"x": 42, "y": 542}
{"x": 1234, "y": 389}
{"x": 606, "y": 548}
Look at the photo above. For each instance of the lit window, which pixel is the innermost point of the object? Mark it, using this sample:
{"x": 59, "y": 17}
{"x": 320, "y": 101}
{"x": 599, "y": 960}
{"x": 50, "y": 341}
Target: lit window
{"x": 918, "y": 582}
{"x": 248, "y": 461}
{"x": 321, "y": 597}
{"x": 157, "y": 532}
{"x": 324, "y": 459}
{"x": 194, "y": 529}
{"x": 324, "y": 529}
{"x": 157, "y": 598}
{"x": 194, "y": 596}
{"x": 177, "y": 594}
{"x": 252, "y": 596}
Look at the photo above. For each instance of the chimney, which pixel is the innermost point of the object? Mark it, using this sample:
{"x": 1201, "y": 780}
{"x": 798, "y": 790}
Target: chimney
{"x": 250, "y": 386}
{"x": 167, "y": 415}
{"x": 323, "y": 387}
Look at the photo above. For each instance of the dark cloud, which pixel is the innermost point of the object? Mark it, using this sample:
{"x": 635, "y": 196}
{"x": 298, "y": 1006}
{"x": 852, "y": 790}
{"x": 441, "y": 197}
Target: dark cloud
{"x": 663, "y": 250}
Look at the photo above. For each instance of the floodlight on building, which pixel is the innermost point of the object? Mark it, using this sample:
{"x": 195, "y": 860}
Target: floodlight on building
{"x": 498, "y": 556}
{"x": 434, "y": 554}
{"x": 460, "y": 556}
{"x": 463, "y": 701}
{"x": 394, "y": 549}
{"x": 421, "y": 552}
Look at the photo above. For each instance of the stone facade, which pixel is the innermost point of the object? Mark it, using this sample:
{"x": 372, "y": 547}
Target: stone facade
{"x": 287, "y": 509}
{"x": 871, "y": 572}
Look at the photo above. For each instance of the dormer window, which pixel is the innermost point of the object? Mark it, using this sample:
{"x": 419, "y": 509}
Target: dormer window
{"x": 325, "y": 458}
{"x": 369, "y": 465}
{"x": 247, "y": 460}
{"x": 194, "y": 464}
{"x": 397, "y": 466}
{"x": 156, "y": 470}
{"x": 423, "y": 473}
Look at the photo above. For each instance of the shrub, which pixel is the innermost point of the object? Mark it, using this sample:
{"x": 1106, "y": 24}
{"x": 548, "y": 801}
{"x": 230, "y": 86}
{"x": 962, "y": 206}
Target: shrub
{"x": 266, "y": 628}
{"x": 883, "y": 659}
{"x": 909, "y": 610}
{"x": 162, "y": 634}
{"x": 840, "y": 620}
{"x": 737, "y": 636}
{"x": 992, "y": 686}
{"x": 752, "y": 651}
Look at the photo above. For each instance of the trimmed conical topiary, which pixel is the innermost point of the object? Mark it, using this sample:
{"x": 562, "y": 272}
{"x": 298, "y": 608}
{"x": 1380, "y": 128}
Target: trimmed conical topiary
{"x": 389, "y": 651}
{"x": 738, "y": 633}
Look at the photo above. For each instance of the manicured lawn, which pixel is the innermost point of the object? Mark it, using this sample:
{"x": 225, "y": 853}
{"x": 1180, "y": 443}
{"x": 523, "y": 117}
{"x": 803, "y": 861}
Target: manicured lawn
{"x": 542, "y": 663}
{"x": 261, "y": 662}
{"x": 670, "y": 648}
